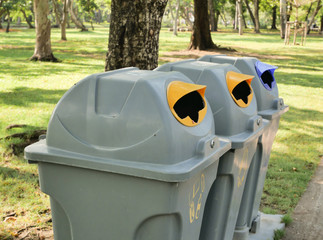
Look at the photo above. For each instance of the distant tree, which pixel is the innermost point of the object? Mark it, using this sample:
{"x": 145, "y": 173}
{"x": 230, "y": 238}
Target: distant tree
{"x": 316, "y": 11}
{"x": 43, "y": 50}
{"x": 256, "y": 14}
{"x": 25, "y": 8}
{"x": 75, "y": 19}
{"x": 201, "y": 35}
{"x": 7, "y": 7}
{"x": 174, "y": 9}
{"x": 283, "y": 18}
{"x": 89, "y": 7}
{"x": 134, "y": 34}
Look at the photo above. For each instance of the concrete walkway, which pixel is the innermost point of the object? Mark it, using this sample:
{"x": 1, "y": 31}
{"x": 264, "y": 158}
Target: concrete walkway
{"x": 308, "y": 214}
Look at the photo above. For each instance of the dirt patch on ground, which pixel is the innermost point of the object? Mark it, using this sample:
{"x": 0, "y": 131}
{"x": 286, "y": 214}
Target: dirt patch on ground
{"x": 308, "y": 215}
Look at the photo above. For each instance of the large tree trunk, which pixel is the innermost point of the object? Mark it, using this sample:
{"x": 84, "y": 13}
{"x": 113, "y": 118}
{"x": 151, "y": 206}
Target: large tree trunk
{"x": 43, "y": 51}
{"x": 201, "y": 35}
{"x": 211, "y": 15}
{"x": 64, "y": 20}
{"x": 283, "y": 18}
{"x": 321, "y": 27}
{"x": 74, "y": 18}
{"x": 134, "y": 34}
{"x": 274, "y": 16}
{"x": 26, "y": 18}
{"x": 317, "y": 9}
{"x": 240, "y": 17}
{"x": 257, "y": 25}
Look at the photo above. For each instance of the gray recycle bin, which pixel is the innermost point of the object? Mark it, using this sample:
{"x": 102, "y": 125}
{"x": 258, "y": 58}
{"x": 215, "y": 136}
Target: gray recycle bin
{"x": 235, "y": 116}
{"x": 270, "y": 107}
{"x": 129, "y": 155}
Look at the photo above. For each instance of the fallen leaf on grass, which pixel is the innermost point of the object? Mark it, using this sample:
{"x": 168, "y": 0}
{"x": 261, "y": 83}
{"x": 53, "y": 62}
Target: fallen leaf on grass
{"x": 10, "y": 219}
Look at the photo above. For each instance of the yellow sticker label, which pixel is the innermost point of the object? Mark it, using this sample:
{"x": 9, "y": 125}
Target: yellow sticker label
{"x": 195, "y": 198}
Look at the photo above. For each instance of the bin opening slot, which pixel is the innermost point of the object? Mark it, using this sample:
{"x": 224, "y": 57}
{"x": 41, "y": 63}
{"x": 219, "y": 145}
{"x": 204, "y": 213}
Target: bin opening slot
{"x": 266, "y": 74}
{"x": 189, "y": 105}
{"x": 242, "y": 91}
{"x": 267, "y": 78}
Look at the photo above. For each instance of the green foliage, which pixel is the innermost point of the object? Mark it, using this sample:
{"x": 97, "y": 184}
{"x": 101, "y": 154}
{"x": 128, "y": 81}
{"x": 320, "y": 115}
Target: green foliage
{"x": 279, "y": 234}
{"x": 287, "y": 219}
{"x": 29, "y": 92}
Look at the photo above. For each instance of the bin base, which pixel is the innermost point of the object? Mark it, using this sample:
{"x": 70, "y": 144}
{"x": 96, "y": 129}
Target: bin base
{"x": 255, "y": 225}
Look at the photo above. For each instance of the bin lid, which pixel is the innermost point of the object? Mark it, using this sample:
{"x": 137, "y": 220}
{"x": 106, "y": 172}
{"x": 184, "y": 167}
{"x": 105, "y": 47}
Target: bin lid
{"x": 230, "y": 96}
{"x": 269, "y": 105}
{"x": 121, "y": 122}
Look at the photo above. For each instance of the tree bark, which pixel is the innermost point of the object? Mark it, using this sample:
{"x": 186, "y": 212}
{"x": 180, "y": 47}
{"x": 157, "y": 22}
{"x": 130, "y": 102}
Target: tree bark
{"x": 74, "y": 18}
{"x": 240, "y": 18}
{"x": 26, "y": 18}
{"x": 43, "y": 51}
{"x": 216, "y": 20}
{"x": 283, "y": 18}
{"x": 8, "y": 23}
{"x": 201, "y": 35}
{"x": 250, "y": 13}
{"x": 257, "y": 25}
{"x": 308, "y": 11}
{"x": 134, "y": 34}
{"x": 274, "y": 16}
{"x": 317, "y": 9}
{"x": 63, "y": 22}
{"x": 212, "y": 15}
{"x": 175, "y": 26}
{"x": 321, "y": 27}
{"x": 57, "y": 14}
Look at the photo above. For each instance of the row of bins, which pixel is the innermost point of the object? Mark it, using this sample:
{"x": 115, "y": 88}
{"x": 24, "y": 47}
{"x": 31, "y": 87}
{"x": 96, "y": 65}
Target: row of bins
{"x": 178, "y": 153}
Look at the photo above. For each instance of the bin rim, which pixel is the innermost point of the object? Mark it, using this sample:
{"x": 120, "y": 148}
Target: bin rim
{"x": 179, "y": 172}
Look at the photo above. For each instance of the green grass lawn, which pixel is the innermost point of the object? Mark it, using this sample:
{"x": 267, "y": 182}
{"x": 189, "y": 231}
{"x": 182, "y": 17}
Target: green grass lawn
{"x": 29, "y": 92}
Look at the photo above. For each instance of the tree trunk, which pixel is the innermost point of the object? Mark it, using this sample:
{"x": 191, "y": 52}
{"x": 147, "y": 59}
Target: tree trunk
{"x": 211, "y": 15}
{"x": 250, "y": 13}
{"x": 283, "y": 18}
{"x": 273, "y": 24}
{"x": 240, "y": 18}
{"x": 26, "y": 18}
{"x": 134, "y": 34}
{"x": 317, "y": 9}
{"x": 175, "y": 26}
{"x": 308, "y": 11}
{"x": 321, "y": 27}
{"x": 74, "y": 18}
{"x": 43, "y": 51}
{"x": 64, "y": 20}
{"x": 8, "y": 23}
{"x": 57, "y": 14}
{"x": 216, "y": 20}
{"x": 185, "y": 15}
{"x": 201, "y": 35}
{"x": 235, "y": 22}
{"x": 289, "y": 12}
{"x": 257, "y": 25}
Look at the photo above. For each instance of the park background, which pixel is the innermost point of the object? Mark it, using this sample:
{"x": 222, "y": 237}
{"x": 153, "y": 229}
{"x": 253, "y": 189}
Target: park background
{"x": 30, "y": 90}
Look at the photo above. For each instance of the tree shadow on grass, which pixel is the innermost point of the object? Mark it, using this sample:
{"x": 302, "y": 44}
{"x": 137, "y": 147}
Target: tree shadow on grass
{"x": 10, "y": 173}
{"x": 24, "y": 96}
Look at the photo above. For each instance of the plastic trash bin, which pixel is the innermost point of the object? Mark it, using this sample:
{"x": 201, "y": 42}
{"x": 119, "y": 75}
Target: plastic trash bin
{"x": 270, "y": 107}
{"x": 235, "y": 115}
{"x": 129, "y": 155}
